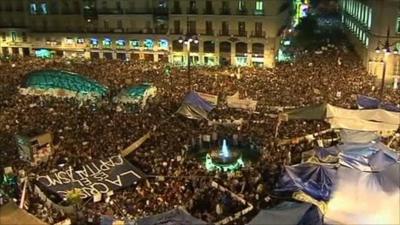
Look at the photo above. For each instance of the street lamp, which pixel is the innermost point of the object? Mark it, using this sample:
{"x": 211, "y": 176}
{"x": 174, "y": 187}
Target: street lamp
{"x": 187, "y": 40}
{"x": 387, "y": 51}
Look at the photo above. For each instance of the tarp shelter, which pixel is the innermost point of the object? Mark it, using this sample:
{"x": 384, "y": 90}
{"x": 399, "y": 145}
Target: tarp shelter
{"x": 136, "y": 94}
{"x": 11, "y": 214}
{"x": 357, "y": 137}
{"x": 323, "y": 155}
{"x": 370, "y": 157}
{"x": 313, "y": 179}
{"x": 365, "y": 198}
{"x": 340, "y": 118}
{"x": 195, "y": 107}
{"x": 289, "y": 213}
{"x": 235, "y": 102}
{"x": 176, "y": 216}
{"x": 62, "y": 84}
{"x": 366, "y": 102}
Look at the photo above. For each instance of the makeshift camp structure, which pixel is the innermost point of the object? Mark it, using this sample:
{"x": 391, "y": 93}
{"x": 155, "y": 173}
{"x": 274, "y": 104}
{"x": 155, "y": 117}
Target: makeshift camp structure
{"x": 289, "y": 213}
{"x": 59, "y": 83}
{"x": 177, "y": 216}
{"x": 362, "y": 120}
{"x": 195, "y": 107}
{"x": 366, "y": 102}
{"x": 365, "y": 198}
{"x": 313, "y": 179}
{"x": 136, "y": 94}
{"x": 235, "y": 102}
{"x": 11, "y": 214}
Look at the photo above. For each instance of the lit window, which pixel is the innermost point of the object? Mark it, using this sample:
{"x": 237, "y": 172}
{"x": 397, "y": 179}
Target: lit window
{"x": 13, "y": 36}
{"x": 120, "y": 43}
{"x": 259, "y": 7}
{"x": 366, "y": 42}
{"x": 43, "y": 8}
{"x": 80, "y": 41}
{"x": 241, "y": 6}
{"x": 163, "y": 44}
{"x": 398, "y": 24}
{"x": 134, "y": 43}
{"x": 33, "y": 8}
{"x": 369, "y": 18}
{"x": 94, "y": 42}
{"x": 107, "y": 42}
{"x": 69, "y": 41}
{"x": 148, "y": 43}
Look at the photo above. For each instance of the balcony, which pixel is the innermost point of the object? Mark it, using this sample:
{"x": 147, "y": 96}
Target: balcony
{"x": 242, "y": 12}
{"x": 225, "y": 11}
{"x": 175, "y": 31}
{"x": 209, "y": 33}
{"x": 191, "y": 11}
{"x": 107, "y": 11}
{"x": 138, "y": 11}
{"x": 260, "y": 34}
{"x": 259, "y": 13}
{"x": 242, "y": 33}
{"x": 224, "y": 33}
{"x": 160, "y": 31}
{"x": 176, "y": 10}
{"x": 160, "y": 11}
{"x": 208, "y": 11}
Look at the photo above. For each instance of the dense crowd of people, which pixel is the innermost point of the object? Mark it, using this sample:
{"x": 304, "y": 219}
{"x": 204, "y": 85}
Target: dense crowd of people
{"x": 95, "y": 130}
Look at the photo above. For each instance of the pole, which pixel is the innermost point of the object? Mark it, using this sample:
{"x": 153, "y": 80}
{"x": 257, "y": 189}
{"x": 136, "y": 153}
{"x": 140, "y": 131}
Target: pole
{"x": 21, "y": 204}
{"x": 188, "y": 66}
{"x": 383, "y": 79}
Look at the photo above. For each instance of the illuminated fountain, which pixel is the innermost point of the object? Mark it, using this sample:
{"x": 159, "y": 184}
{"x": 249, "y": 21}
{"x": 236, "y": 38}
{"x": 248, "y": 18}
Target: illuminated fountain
{"x": 224, "y": 159}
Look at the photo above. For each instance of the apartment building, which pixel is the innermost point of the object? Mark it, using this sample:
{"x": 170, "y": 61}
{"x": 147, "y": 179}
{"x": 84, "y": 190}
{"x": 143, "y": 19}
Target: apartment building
{"x": 373, "y": 26}
{"x": 232, "y": 32}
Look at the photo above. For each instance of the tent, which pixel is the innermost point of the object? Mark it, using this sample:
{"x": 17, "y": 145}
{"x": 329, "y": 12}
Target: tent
{"x": 136, "y": 94}
{"x": 322, "y": 155}
{"x": 289, "y": 213}
{"x": 363, "y": 120}
{"x": 177, "y": 216}
{"x": 357, "y": 137}
{"x": 313, "y": 179}
{"x": 62, "y": 84}
{"x": 366, "y": 102}
{"x": 195, "y": 107}
{"x": 365, "y": 198}
{"x": 11, "y": 214}
{"x": 371, "y": 157}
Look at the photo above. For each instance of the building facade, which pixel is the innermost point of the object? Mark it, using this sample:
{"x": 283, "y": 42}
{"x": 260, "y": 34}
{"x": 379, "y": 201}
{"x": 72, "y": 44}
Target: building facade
{"x": 373, "y": 26}
{"x": 232, "y": 32}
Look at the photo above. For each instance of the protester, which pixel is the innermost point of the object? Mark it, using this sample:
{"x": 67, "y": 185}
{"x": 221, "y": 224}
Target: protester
{"x": 95, "y": 130}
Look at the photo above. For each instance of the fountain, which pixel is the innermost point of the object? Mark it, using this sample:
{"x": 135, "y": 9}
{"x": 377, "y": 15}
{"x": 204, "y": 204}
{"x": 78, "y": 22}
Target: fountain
{"x": 224, "y": 159}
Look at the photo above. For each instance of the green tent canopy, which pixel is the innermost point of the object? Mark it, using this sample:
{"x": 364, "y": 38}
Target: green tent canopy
{"x": 59, "y": 79}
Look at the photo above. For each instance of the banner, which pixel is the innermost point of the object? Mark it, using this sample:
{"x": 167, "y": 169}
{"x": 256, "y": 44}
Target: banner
{"x": 24, "y": 148}
{"x": 247, "y": 104}
{"x": 99, "y": 176}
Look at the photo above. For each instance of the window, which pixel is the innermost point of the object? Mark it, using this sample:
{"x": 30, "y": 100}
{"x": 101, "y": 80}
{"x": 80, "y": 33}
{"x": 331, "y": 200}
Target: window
{"x": 192, "y": 27}
{"x": 163, "y": 43}
{"x": 209, "y": 6}
{"x": 107, "y": 42}
{"x": 225, "y": 28}
{"x": 398, "y": 24}
{"x": 258, "y": 29}
{"x": 369, "y": 18}
{"x": 209, "y": 29}
{"x": 13, "y": 36}
{"x": 120, "y": 43}
{"x": 242, "y": 28}
{"x": 80, "y": 40}
{"x": 33, "y": 9}
{"x": 134, "y": 43}
{"x": 94, "y": 42}
{"x": 177, "y": 27}
{"x": 148, "y": 43}
{"x": 119, "y": 24}
{"x": 259, "y": 7}
{"x": 43, "y": 8}
{"x": 241, "y": 6}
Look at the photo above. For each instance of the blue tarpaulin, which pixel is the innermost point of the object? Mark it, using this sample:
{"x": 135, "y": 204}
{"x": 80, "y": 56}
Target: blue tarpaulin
{"x": 289, "y": 213}
{"x": 174, "y": 217}
{"x": 313, "y": 179}
{"x": 367, "y": 157}
{"x": 195, "y": 107}
{"x": 374, "y": 103}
